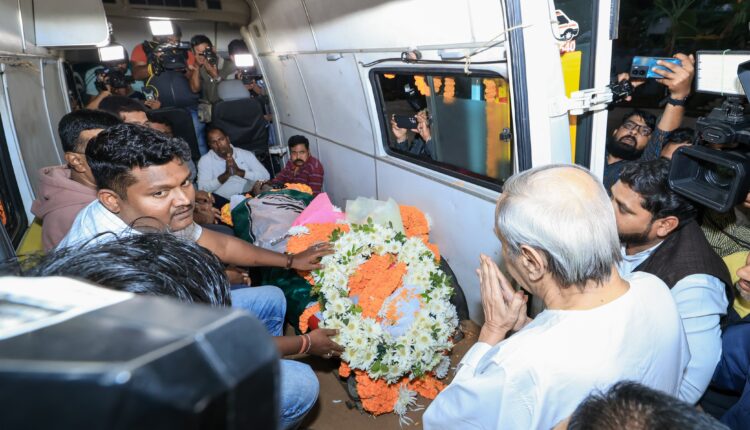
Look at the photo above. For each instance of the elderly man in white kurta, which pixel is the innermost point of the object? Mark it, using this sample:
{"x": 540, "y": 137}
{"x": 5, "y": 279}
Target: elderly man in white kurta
{"x": 559, "y": 242}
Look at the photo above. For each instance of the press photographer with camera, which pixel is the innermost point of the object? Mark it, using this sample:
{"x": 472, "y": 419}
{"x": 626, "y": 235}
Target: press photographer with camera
{"x": 638, "y": 137}
{"x": 714, "y": 171}
{"x": 169, "y": 68}
{"x": 112, "y": 81}
{"x": 211, "y": 67}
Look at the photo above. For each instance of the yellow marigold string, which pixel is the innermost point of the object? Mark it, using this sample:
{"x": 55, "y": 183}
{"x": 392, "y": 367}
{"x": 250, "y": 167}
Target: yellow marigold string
{"x": 304, "y": 188}
{"x": 226, "y": 215}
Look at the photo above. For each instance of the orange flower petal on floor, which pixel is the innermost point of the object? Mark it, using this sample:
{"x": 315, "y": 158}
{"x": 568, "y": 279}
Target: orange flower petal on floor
{"x": 299, "y": 187}
{"x": 415, "y": 222}
{"x": 303, "y": 319}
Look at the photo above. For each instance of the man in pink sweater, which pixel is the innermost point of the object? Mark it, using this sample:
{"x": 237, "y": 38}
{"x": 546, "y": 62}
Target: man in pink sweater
{"x": 66, "y": 189}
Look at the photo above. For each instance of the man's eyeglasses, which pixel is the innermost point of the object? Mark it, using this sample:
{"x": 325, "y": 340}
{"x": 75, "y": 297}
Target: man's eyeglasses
{"x": 643, "y": 130}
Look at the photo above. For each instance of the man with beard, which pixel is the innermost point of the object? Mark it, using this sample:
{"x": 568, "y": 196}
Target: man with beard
{"x": 226, "y": 170}
{"x": 659, "y": 235}
{"x": 302, "y": 168}
{"x": 636, "y": 138}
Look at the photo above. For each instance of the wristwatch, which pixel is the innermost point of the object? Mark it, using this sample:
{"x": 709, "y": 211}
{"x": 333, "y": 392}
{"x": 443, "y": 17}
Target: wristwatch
{"x": 676, "y": 102}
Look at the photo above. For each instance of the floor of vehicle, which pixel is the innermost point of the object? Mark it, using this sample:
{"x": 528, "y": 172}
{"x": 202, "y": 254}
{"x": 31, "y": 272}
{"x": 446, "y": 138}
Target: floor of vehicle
{"x": 334, "y": 409}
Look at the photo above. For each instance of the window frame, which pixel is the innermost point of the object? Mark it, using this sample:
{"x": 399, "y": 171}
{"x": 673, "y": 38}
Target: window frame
{"x": 444, "y": 168}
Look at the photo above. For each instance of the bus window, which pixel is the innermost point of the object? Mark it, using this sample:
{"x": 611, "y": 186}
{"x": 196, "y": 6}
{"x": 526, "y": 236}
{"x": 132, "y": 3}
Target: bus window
{"x": 450, "y": 122}
{"x": 12, "y": 214}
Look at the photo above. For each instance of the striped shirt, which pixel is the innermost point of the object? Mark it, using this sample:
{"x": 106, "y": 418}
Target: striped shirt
{"x": 311, "y": 173}
{"x": 96, "y": 224}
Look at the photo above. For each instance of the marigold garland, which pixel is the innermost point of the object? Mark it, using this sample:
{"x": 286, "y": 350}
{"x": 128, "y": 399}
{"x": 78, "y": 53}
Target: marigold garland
{"x": 415, "y": 222}
{"x": 226, "y": 215}
{"x": 356, "y": 290}
{"x": 305, "y": 317}
{"x": 304, "y": 188}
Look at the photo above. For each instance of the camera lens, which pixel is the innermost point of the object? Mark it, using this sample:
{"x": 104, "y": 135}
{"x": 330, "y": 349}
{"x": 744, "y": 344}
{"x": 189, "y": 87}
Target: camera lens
{"x": 719, "y": 176}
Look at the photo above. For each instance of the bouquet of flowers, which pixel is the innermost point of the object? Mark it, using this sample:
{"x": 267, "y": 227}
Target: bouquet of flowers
{"x": 385, "y": 293}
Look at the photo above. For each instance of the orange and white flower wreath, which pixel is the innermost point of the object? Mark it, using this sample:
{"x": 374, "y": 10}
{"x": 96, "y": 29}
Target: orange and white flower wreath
{"x": 363, "y": 289}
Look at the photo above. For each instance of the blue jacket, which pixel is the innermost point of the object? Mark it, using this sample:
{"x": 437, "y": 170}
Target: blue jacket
{"x": 732, "y": 373}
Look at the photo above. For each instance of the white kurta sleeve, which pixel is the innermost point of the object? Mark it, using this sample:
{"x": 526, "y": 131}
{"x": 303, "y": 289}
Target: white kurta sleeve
{"x": 483, "y": 395}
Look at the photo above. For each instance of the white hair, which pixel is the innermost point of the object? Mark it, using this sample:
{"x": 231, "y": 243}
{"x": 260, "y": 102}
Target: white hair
{"x": 566, "y": 216}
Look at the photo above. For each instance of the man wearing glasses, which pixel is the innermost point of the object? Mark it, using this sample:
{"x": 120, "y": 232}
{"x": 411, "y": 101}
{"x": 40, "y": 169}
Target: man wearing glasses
{"x": 639, "y": 137}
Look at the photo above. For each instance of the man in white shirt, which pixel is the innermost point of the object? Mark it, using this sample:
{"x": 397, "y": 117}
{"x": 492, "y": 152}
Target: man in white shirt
{"x": 659, "y": 235}
{"x": 143, "y": 183}
{"x": 226, "y": 170}
{"x": 559, "y": 242}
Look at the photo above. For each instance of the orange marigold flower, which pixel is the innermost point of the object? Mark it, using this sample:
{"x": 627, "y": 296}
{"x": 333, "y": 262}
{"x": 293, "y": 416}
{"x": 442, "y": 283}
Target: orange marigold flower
{"x": 303, "y": 319}
{"x": 344, "y": 370}
{"x": 378, "y": 397}
{"x": 318, "y": 233}
{"x": 299, "y": 187}
{"x": 374, "y": 281}
{"x": 415, "y": 223}
{"x": 427, "y": 386}
{"x": 226, "y": 215}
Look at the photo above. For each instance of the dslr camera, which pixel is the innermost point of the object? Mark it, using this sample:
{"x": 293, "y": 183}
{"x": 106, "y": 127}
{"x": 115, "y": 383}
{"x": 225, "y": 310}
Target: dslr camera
{"x": 247, "y": 71}
{"x": 715, "y": 171}
{"x": 111, "y": 77}
{"x": 210, "y": 57}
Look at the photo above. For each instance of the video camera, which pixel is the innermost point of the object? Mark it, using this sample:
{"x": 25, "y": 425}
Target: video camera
{"x": 111, "y": 77}
{"x": 715, "y": 171}
{"x": 167, "y": 56}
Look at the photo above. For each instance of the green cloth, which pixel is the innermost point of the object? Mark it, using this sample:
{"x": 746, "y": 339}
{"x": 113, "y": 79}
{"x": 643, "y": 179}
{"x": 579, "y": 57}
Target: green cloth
{"x": 296, "y": 289}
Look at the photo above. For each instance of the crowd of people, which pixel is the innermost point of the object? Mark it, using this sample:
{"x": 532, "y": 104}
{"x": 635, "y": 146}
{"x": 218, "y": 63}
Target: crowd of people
{"x": 642, "y": 318}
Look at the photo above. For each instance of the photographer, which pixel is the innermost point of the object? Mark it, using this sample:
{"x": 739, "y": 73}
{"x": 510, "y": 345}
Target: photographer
{"x": 212, "y": 68}
{"x": 112, "y": 81}
{"x": 171, "y": 71}
{"x": 422, "y": 145}
{"x": 638, "y": 137}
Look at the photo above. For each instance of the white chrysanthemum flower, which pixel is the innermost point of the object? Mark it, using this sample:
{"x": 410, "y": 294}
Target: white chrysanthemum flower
{"x": 441, "y": 371}
{"x": 298, "y": 230}
{"x": 407, "y": 400}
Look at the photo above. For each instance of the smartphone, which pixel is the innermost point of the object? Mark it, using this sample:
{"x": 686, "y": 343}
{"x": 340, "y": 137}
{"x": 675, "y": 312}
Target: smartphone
{"x": 405, "y": 121}
{"x": 641, "y": 67}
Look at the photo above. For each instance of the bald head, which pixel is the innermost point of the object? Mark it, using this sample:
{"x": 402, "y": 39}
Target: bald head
{"x": 564, "y": 211}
